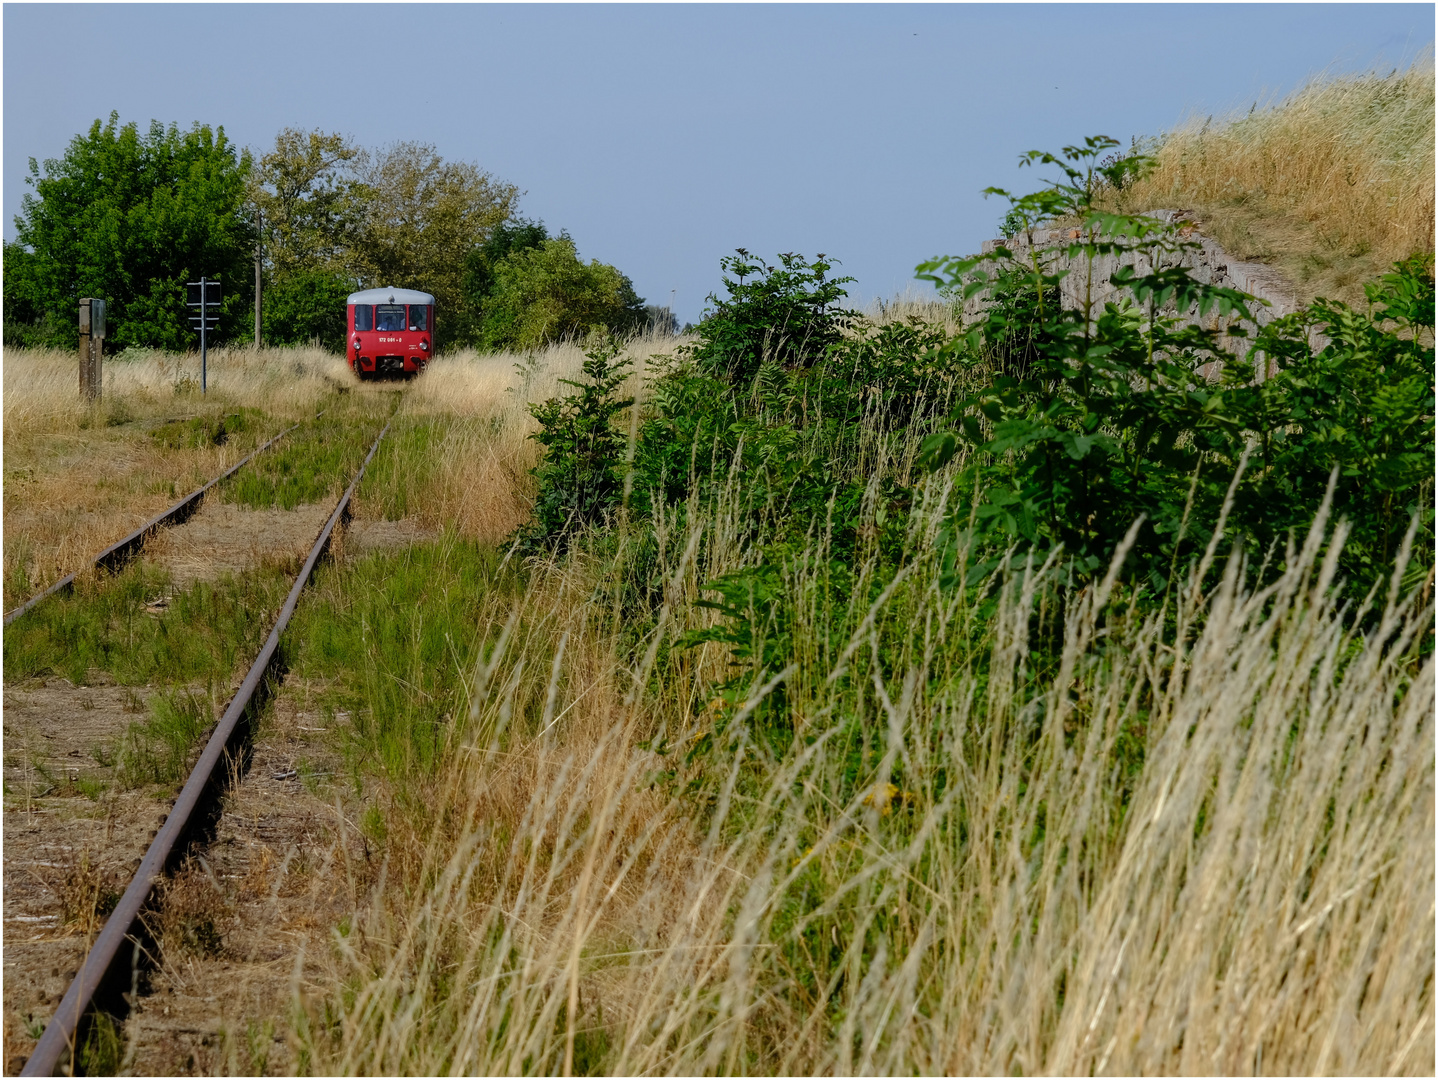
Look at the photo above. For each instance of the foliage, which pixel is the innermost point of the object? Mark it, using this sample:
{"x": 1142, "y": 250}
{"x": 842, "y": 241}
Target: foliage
{"x": 311, "y": 203}
{"x": 423, "y": 215}
{"x": 580, "y": 476}
{"x": 784, "y": 316}
{"x": 546, "y": 293}
{"x": 130, "y": 217}
{"x": 1108, "y": 418}
{"x": 308, "y": 305}
{"x": 508, "y": 237}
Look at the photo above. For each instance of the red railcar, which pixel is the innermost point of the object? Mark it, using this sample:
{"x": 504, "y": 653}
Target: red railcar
{"x": 390, "y": 331}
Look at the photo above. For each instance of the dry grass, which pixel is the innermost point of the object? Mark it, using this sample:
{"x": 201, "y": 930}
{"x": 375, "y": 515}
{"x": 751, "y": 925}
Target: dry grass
{"x": 479, "y": 482}
{"x": 1331, "y": 184}
{"x": 80, "y": 476}
{"x": 41, "y": 386}
{"x": 913, "y": 304}
{"x": 1010, "y": 890}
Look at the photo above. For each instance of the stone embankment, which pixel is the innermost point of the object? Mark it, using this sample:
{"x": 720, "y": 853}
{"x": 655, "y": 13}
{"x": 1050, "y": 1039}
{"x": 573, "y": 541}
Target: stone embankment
{"x": 1209, "y": 263}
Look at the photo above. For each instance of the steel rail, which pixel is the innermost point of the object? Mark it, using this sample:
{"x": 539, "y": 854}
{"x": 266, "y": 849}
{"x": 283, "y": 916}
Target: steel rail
{"x": 59, "y": 1036}
{"x": 117, "y": 552}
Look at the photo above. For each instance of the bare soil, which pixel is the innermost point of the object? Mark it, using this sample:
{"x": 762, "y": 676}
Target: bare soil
{"x": 226, "y": 539}
{"x": 71, "y": 840}
{"x": 247, "y": 925}
{"x": 363, "y": 536}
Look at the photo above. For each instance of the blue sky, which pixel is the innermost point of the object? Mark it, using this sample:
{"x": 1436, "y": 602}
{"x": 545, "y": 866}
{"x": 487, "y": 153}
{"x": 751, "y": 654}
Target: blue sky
{"x": 664, "y": 136}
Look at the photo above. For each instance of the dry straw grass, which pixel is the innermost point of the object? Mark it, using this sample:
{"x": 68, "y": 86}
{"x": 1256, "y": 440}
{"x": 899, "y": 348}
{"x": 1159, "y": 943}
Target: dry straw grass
{"x": 1333, "y": 183}
{"x": 41, "y": 386}
{"x": 79, "y": 476}
{"x": 479, "y": 483}
{"x": 1257, "y": 897}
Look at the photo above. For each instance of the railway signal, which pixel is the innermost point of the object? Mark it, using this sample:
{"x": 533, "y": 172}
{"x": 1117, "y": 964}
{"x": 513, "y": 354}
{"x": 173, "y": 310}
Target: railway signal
{"x": 205, "y": 295}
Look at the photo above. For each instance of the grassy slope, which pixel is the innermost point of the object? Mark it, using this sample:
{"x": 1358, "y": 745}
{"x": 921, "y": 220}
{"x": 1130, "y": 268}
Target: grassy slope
{"x": 1330, "y": 185}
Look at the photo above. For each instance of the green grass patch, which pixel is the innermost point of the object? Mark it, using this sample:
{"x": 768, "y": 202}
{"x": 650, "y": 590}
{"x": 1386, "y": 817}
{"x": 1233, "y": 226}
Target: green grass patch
{"x": 214, "y": 429}
{"x": 314, "y": 463}
{"x": 118, "y": 625}
{"x": 158, "y": 749}
{"x": 404, "y": 465}
{"x": 395, "y": 634}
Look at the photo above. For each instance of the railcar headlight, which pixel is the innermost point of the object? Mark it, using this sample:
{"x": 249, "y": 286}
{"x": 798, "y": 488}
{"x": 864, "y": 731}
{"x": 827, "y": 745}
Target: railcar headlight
{"x": 424, "y": 344}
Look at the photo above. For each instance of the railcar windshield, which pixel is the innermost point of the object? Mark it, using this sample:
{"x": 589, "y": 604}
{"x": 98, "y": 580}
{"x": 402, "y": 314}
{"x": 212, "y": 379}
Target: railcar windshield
{"x": 364, "y": 316}
{"x": 419, "y": 317}
{"x": 389, "y": 317}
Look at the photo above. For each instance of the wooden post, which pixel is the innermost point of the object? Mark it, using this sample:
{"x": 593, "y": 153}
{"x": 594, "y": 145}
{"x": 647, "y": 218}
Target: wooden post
{"x": 92, "y": 347}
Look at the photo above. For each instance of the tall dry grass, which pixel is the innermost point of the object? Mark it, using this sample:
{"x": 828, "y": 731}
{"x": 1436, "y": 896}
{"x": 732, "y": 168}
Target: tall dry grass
{"x": 1333, "y": 182}
{"x": 78, "y": 476}
{"x": 1012, "y": 888}
{"x": 42, "y": 395}
{"x": 478, "y": 482}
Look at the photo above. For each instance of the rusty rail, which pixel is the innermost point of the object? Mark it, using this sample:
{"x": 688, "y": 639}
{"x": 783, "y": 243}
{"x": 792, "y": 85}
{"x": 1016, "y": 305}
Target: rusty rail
{"x": 59, "y": 1038}
{"x": 117, "y": 553}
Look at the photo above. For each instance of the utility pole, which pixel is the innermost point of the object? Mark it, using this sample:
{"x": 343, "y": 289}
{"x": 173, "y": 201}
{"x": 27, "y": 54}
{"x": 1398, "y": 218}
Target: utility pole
{"x": 259, "y": 284}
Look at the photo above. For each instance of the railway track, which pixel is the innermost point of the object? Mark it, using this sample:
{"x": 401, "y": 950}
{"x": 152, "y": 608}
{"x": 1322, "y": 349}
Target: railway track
{"x": 113, "y": 962}
{"x": 115, "y": 556}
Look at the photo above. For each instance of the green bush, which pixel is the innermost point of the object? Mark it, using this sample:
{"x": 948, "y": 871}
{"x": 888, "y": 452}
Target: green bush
{"x": 130, "y": 218}
{"x": 1105, "y": 418}
{"x": 308, "y": 305}
{"x": 545, "y": 293}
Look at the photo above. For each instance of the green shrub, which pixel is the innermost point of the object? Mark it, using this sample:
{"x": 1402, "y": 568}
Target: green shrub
{"x": 580, "y": 474}
{"x": 1096, "y": 419}
{"x": 308, "y": 305}
{"x": 546, "y": 293}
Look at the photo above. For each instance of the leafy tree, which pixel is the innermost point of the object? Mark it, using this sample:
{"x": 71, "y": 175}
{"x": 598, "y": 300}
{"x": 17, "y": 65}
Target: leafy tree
{"x": 130, "y": 217}
{"x": 311, "y": 202}
{"x": 508, "y": 237}
{"x": 308, "y": 305}
{"x": 517, "y": 234}
{"x": 422, "y": 218}
{"x": 546, "y": 293}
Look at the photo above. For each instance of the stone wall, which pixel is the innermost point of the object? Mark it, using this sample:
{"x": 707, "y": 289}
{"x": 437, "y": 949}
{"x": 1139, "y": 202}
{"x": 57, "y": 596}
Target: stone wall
{"x": 1208, "y": 262}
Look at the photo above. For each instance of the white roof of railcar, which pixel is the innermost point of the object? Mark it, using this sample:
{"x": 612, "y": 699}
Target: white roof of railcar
{"x": 390, "y": 296}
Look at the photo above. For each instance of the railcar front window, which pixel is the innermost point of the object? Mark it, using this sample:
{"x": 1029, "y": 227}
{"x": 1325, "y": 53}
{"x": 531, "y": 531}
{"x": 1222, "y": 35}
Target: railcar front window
{"x": 418, "y": 317}
{"x": 364, "y": 316}
{"x": 389, "y": 317}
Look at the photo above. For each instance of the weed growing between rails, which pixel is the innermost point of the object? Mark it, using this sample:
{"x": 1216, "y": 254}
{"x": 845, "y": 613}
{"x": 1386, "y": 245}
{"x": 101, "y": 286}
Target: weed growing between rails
{"x": 1187, "y": 849}
{"x": 314, "y": 463}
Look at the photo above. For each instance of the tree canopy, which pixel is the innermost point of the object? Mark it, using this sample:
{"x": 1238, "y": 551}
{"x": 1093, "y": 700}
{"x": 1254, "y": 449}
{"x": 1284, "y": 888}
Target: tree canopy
{"x": 130, "y": 217}
{"x": 547, "y": 293}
